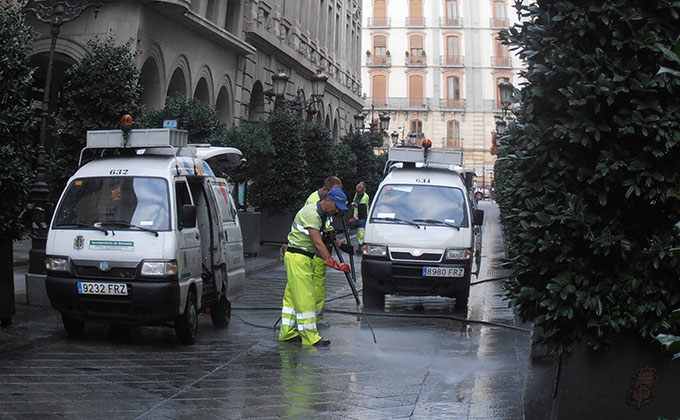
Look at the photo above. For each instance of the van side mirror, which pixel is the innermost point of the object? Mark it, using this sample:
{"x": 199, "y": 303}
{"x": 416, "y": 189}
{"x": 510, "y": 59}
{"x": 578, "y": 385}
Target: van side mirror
{"x": 478, "y": 217}
{"x": 188, "y": 216}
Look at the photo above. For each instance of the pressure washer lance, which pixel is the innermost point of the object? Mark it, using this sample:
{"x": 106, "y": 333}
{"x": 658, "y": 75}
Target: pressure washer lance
{"x": 352, "y": 279}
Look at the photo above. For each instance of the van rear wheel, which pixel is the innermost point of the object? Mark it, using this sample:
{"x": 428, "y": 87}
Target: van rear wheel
{"x": 186, "y": 325}
{"x": 74, "y": 327}
{"x": 220, "y": 312}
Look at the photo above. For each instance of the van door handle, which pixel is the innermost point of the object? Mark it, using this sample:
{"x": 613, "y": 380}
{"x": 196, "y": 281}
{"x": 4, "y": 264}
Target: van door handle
{"x": 226, "y": 236}
{"x": 198, "y": 237}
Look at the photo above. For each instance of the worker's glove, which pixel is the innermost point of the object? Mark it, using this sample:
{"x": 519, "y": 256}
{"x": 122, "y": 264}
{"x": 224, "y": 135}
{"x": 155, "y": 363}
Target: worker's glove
{"x": 332, "y": 263}
{"x": 352, "y": 220}
{"x": 347, "y": 248}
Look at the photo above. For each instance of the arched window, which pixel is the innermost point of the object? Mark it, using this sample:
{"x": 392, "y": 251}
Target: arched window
{"x": 452, "y": 133}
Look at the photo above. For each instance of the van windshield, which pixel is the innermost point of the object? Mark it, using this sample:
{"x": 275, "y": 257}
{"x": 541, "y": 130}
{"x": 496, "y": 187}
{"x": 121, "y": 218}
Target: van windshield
{"x": 133, "y": 201}
{"x": 425, "y": 204}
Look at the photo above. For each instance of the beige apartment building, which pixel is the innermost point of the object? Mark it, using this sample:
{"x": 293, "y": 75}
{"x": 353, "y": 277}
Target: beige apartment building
{"x": 434, "y": 67}
{"x": 221, "y": 52}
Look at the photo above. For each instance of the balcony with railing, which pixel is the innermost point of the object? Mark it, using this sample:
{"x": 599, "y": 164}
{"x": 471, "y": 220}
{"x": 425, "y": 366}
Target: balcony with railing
{"x": 397, "y": 104}
{"x": 453, "y": 143}
{"x": 452, "y": 104}
{"x": 450, "y": 22}
{"x": 379, "y": 22}
{"x": 415, "y": 22}
{"x": 415, "y": 61}
{"x": 452, "y": 60}
{"x": 499, "y": 22}
{"x": 378, "y": 60}
{"x": 502, "y": 61}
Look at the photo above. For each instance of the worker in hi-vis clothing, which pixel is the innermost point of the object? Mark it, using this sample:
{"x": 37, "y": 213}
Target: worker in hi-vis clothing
{"x": 319, "y": 267}
{"x": 304, "y": 242}
{"x": 360, "y": 204}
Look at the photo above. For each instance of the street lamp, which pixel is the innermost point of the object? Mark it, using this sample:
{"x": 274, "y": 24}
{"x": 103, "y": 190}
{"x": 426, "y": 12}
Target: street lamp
{"x": 299, "y": 103}
{"x": 56, "y": 13}
{"x": 395, "y": 137}
{"x": 505, "y": 90}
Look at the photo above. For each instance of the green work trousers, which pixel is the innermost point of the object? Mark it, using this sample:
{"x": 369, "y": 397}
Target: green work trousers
{"x": 319, "y": 283}
{"x": 299, "y": 300}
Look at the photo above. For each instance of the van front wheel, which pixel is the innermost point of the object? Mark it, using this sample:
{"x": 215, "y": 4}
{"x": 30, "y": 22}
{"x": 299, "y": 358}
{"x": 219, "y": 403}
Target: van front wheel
{"x": 373, "y": 299}
{"x": 186, "y": 325}
{"x": 220, "y": 312}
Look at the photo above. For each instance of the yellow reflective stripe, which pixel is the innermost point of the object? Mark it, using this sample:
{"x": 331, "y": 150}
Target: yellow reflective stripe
{"x": 306, "y": 315}
{"x": 286, "y": 321}
{"x": 286, "y": 310}
{"x": 302, "y": 327}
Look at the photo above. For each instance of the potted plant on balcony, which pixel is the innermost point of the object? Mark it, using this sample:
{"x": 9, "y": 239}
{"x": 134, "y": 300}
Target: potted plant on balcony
{"x": 589, "y": 207}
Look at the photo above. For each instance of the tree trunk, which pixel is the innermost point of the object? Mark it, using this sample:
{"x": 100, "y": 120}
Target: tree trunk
{"x": 7, "y": 308}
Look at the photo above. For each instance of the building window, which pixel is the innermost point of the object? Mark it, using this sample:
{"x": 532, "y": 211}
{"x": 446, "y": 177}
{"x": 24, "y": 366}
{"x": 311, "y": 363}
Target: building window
{"x": 379, "y": 13}
{"x": 451, "y": 13}
{"x": 500, "y": 18}
{"x": 452, "y": 133}
{"x": 416, "y": 51}
{"x": 416, "y": 90}
{"x": 379, "y": 90}
{"x": 452, "y": 56}
{"x": 416, "y": 128}
{"x": 379, "y": 49}
{"x": 501, "y": 56}
{"x": 415, "y": 13}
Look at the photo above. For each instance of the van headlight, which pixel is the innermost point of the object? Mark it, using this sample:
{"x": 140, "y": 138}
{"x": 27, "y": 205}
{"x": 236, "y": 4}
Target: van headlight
{"x": 458, "y": 254}
{"x": 159, "y": 268}
{"x": 374, "y": 250}
{"x": 61, "y": 264}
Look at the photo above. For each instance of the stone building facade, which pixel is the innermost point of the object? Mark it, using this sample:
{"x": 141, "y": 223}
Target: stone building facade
{"x": 222, "y": 52}
{"x": 434, "y": 67}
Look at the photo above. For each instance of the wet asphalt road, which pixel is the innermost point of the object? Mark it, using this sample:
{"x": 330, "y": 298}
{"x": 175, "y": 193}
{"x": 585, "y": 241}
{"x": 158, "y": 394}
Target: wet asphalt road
{"x": 428, "y": 363}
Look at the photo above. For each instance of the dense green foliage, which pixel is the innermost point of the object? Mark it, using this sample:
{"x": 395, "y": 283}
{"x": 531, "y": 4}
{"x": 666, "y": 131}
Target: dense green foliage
{"x": 356, "y": 161}
{"x": 16, "y": 118}
{"x": 587, "y": 178}
{"x": 199, "y": 119}
{"x": 98, "y": 91}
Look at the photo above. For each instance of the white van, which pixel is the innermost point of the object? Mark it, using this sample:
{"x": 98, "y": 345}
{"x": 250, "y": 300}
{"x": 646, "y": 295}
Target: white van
{"x": 145, "y": 234}
{"x": 423, "y": 232}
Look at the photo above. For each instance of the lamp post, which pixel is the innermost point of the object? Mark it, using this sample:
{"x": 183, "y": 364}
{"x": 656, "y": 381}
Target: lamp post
{"x": 56, "y": 13}
{"x": 395, "y": 137}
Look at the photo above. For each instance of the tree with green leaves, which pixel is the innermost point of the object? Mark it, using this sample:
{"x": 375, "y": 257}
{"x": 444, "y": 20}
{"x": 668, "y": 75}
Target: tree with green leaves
{"x": 587, "y": 176}
{"x": 198, "y": 118}
{"x": 99, "y": 90}
{"x": 318, "y": 145}
{"x": 16, "y": 127}
{"x": 17, "y": 122}
{"x": 356, "y": 161}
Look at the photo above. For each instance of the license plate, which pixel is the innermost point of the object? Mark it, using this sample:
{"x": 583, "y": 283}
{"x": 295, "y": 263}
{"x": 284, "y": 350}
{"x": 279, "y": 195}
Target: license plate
{"x": 443, "y": 272}
{"x": 116, "y": 289}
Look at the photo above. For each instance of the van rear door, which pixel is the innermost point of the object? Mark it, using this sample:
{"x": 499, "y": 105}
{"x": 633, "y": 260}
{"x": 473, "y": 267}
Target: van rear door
{"x": 231, "y": 240}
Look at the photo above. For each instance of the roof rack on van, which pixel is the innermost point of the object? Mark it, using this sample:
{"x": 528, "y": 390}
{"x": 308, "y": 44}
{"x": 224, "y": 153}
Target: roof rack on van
{"x": 135, "y": 139}
{"x": 410, "y": 156}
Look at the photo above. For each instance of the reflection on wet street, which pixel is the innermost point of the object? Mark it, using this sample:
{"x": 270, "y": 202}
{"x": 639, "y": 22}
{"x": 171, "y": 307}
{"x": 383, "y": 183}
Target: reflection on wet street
{"x": 429, "y": 363}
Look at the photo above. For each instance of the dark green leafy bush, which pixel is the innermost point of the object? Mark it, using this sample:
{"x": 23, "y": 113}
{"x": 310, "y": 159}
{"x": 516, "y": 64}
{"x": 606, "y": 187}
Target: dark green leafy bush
{"x": 16, "y": 118}
{"x": 587, "y": 178}
{"x": 199, "y": 119}
{"x": 99, "y": 90}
